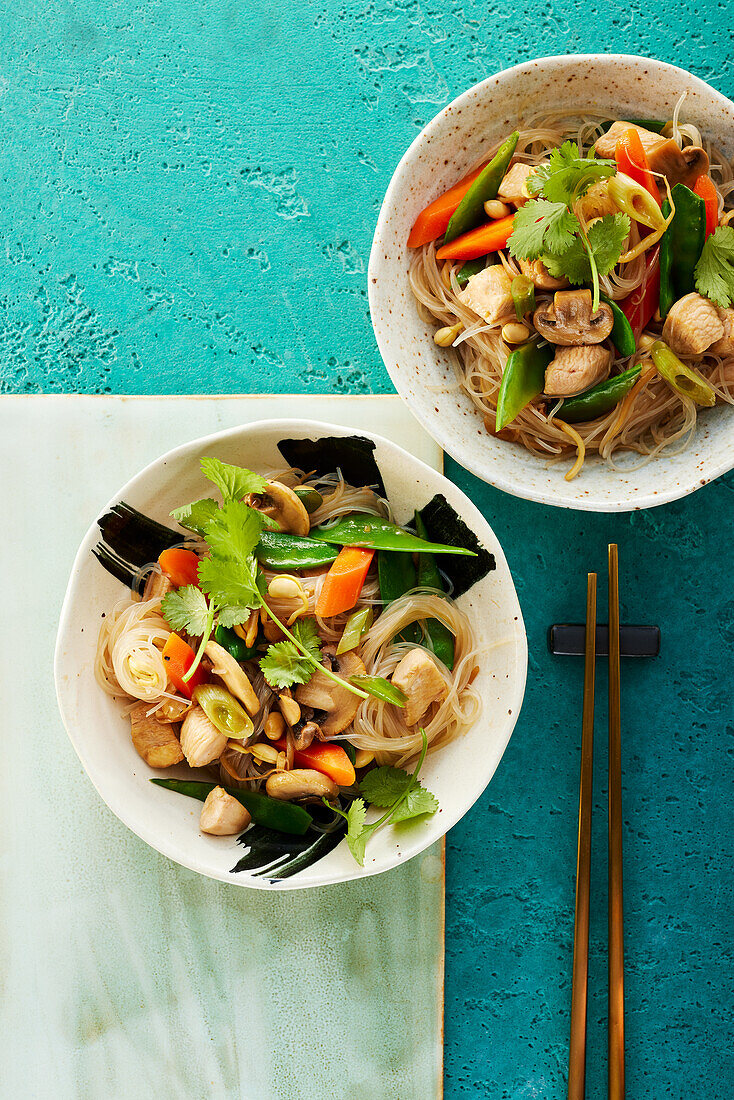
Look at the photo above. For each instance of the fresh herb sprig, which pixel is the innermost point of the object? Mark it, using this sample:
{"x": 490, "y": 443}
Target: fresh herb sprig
{"x": 714, "y": 272}
{"x": 396, "y": 791}
{"x": 548, "y": 228}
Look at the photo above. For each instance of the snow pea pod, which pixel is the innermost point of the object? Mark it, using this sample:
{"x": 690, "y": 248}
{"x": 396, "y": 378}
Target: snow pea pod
{"x": 522, "y": 379}
{"x": 599, "y": 400}
{"x": 375, "y": 533}
{"x": 397, "y": 575}
{"x": 429, "y": 577}
{"x": 687, "y": 233}
{"x": 470, "y": 268}
{"x": 284, "y": 817}
{"x": 470, "y": 211}
{"x": 310, "y": 498}
{"x": 235, "y": 645}
{"x": 281, "y": 551}
{"x": 667, "y": 297}
{"x": 622, "y": 335}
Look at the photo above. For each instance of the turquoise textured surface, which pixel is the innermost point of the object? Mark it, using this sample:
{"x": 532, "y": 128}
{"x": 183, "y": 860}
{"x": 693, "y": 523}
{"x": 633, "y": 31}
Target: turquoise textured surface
{"x": 189, "y": 198}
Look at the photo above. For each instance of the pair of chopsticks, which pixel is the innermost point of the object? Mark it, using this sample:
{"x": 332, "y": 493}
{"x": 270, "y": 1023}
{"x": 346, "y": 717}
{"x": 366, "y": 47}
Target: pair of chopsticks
{"x": 577, "y": 1053}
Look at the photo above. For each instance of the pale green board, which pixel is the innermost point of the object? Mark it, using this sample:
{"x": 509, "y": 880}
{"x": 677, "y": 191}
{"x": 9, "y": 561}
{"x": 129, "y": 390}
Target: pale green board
{"x": 124, "y": 975}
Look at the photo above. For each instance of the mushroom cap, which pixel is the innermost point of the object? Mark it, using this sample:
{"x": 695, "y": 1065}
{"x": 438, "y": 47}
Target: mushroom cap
{"x": 570, "y": 321}
{"x": 323, "y": 694}
{"x": 300, "y": 783}
{"x": 280, "y": 503}
{"x": 233, "y": 676}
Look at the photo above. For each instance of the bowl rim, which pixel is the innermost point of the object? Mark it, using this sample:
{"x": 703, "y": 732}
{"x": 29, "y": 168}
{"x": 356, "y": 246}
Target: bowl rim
{"x": 441, "y": 433}
{"x": 116, "y": 802}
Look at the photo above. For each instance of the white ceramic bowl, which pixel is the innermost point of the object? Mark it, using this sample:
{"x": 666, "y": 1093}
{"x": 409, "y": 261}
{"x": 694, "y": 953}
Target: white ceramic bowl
{"x": 457, "y": 774}
{"x": 440, "y": 155}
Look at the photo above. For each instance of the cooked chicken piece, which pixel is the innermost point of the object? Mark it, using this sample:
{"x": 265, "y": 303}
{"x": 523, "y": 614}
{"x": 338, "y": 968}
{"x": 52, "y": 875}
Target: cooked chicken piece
{"x": 692, "y": 325}
{"x": 201, "y": 741}
{"x": 541, "y": 276}
{"x": 575, "y": 369}
{"x": 514, "y": 186}
{"x": 725, "y": 346}
{"x": 157, "y": 586}
{"x": 663, "y": 155}
{"x": 418, "y": 676}
{"x": 154, "y": 740}
{"x": 488, "y": 294}
{"x": 223, "y": 815}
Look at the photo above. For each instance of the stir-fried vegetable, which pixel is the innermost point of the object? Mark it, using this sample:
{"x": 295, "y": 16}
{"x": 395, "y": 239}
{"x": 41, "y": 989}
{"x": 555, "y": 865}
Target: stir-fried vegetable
{"x": 280, "y": 551}
{"x": 344, "y": 581}
{"x": 522, "y": 289}
{"x": 330, "y": 760}
{"x": 705, "y": 190}
{"x": 180, "y": 566}
{"x": 429, "y": 576}
{"x": 687, "y": 233}
{"x": 470, "y": 211}
{"x": 233, "y": 644}
{"x": 522, "y": 379}
{"x": 284, "y": 817}
{"x": 667, "y": 294}
{"x": 179, "y": 657}
{"x": 431, "y": 222}
{"x": 639, "y": 306}
{"x": 469, "y": 269}
{"x": 680, "y": 377}
{"x": 358, "y": 624}
{"x": 631, "y": 160}
{"x": 622, "y": 335}
{"x": 478, "y": 242}
{"x": 223, "y": 711}
{"x": 375, "y": 533}
{"x": 310, "y": 498}
{"x": 599, "y": 400}
{"x": 398, "y": 575}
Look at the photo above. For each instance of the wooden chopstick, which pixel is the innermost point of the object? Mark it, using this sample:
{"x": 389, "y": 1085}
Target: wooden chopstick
{"x": 616, "y": 927}
{"x": 580, "y": 981}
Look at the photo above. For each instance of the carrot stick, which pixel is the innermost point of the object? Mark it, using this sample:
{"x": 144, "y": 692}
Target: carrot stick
{"x": 478, "y": 242}
{"x": 181, "y": 566}
{"x": 431, "y": 222}
{"x": 343, "y": 583}
{"x": 330, "y": 760}
{"x": 179, "y": 657}
{"x": 705, "y": 190}
{"x": 632, "y": 161}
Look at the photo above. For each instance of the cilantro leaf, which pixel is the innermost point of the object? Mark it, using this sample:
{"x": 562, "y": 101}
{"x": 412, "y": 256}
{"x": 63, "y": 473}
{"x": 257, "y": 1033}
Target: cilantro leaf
{"x": 568, "y": 176}
{"x": 231, "y": 585}
{"x": 234, "y": 531}
{"x": 714, "y": 272}
{"x": 234, "y": 615}
{"x": 233, "y": 482}
{"x": 196, "y": 516}
{"x": 283, "y": 665}
{"x": 541, "y": 225}
{"x": 357, "y": 836}
{"x": 186, "y": 609}
{"x": 606, "y": 239}
{"x": 229, "y": 576}
{"x": 418, "y": 801}
{"x": 389, "y": 786}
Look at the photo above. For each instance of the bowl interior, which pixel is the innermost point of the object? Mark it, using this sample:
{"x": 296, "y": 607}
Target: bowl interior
{"x": 99, "y": 732}
{"x": 441, "y": 154}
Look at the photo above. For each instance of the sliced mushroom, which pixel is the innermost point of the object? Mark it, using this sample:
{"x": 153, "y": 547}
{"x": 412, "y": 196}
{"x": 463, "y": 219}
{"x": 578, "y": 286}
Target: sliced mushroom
{"x": 304, "y": 734}
{"x": 570, "y": 321}
{"x": 321, "y": 693}
{"x": 201, "y": 741}
{"x": 281, "y": 504}
{"x": 153, "y": 739}
{"x": 541, "y": 276}
{"x": 514, "y": 187}
{"x": 488, "y": 294}
{"x": 234, "y": 677}
{"x": 419, "y": 677}
{"x": 574, "y": 370}
{"x": 725, "y": 346}
{"x": 663, "y": 154}
{"x": 300, "y": 783}
{"x": 157, "y": 585}
{"x": 223, "y": 815}
{"x": 693, "y": 324}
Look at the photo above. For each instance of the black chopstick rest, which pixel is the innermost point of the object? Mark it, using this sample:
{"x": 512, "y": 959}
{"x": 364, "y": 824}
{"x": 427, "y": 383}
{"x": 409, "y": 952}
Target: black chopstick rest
{"x": 567, "y": 640}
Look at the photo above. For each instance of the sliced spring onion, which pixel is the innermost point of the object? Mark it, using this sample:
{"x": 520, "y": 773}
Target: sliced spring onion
{"x": 523, "y": 295}
{"x": 381, "y": 688}
{"x": 680, "y": 377}
{"x": 311, "y": 499}
{"x": 223, "y": 711}
{"x": 632, "y": 198}
{"x": 357, "y": 623}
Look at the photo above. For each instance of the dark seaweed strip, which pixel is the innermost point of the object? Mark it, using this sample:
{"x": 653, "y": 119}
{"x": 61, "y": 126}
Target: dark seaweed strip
{"x": 352, "y": 454}
{"x": 444, "y": 524}
{"x": 130, "y": 540}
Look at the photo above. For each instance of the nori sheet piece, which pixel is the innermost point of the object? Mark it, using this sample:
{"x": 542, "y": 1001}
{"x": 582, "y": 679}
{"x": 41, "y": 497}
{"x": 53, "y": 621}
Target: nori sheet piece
{"x": 443, "y": 524}
{"x": 130, "y": 540}
{"x": 352, "y": 454}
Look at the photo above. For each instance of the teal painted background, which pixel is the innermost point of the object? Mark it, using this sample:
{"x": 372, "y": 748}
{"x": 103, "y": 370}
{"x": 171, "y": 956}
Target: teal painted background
{"x": 189, "y": 194}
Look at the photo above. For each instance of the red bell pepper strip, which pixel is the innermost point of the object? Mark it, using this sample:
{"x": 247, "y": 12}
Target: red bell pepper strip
{"x": 704, "y": 188}
{"x": 181, "y": 566}
{"x": 328, "y": 759}
{"x": 179, "y": 657}
{"x": 431, "y": 223}
{"x": 631, "y": 160}
{"x": 639, "y": 306}
{"x": 479, "y": 242}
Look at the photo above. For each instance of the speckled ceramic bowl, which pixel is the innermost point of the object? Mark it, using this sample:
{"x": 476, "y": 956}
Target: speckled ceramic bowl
{"x": 457, "y": 773}
{"x": 440, "y": 155}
